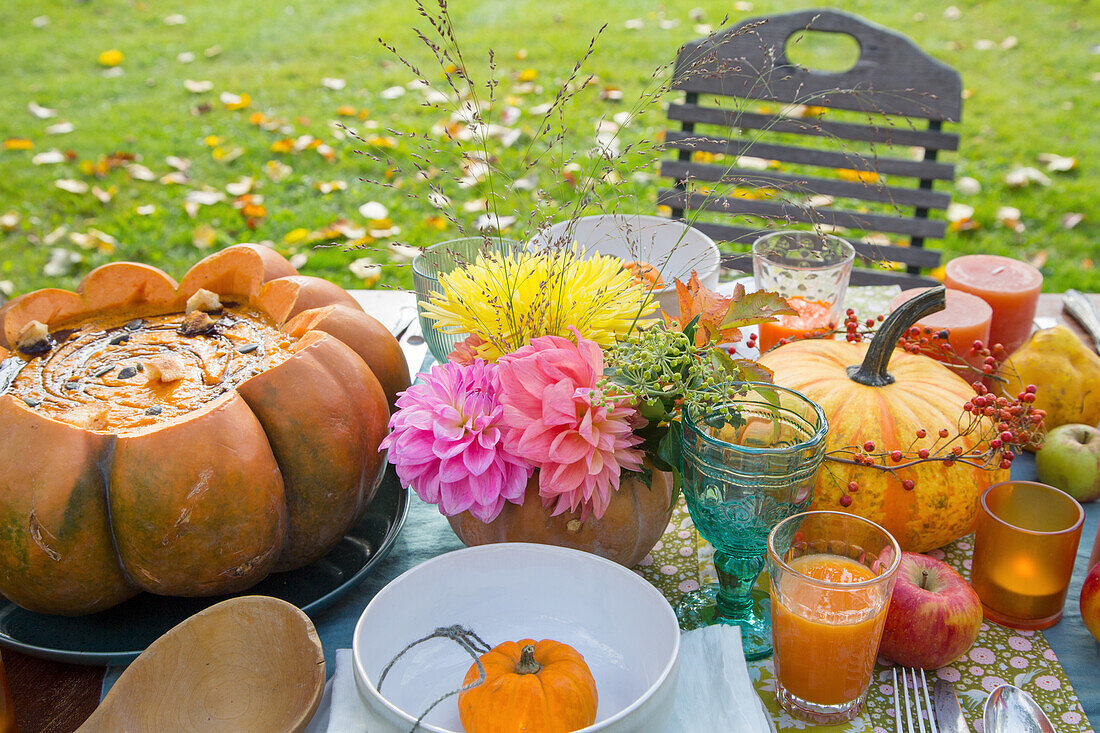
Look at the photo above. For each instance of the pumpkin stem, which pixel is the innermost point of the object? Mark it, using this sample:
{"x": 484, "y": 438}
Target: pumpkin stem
{"x": 527, "y": 663}
{"x": 872, "y": 372}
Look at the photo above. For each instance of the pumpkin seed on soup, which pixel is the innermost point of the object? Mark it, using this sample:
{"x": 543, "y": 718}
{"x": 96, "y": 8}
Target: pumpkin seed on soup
{"x": 127, "y": 372}
{"x": 154, "y": 410}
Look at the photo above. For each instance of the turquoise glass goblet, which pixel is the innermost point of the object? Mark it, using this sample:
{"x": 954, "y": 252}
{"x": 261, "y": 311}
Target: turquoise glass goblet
{"x": 746, "y": 464}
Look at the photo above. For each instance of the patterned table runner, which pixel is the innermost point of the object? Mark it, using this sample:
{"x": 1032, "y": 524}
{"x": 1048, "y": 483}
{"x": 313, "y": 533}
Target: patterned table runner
{"x": 681, "y": 561}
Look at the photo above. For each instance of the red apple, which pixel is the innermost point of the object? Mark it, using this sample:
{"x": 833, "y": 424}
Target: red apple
{"x": 1090, "y": 601}
{"x": 934, "y": 614}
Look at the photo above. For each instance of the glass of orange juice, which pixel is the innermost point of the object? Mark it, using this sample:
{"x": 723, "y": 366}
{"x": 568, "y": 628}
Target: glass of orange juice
{"x": 811, "y": 271}
{"x": 1025, "y": 544}
{"x": 831, "y": 578}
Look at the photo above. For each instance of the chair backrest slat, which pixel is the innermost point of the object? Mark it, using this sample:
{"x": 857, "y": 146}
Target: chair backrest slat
{"x": 857, "y": 151}
{"x": 889, "y": 134}
{"x": 810, "y": 156}
{"x": 797, "y": 185}
{"x": 881, "y": 252}
{"x": 790, "y": 212}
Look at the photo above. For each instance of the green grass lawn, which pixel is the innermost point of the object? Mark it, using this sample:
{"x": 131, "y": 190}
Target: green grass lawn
{"x": 1037, "y": 94}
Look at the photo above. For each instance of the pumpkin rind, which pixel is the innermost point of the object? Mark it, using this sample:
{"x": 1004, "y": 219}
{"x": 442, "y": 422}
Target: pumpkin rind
{"x": 324, "y": 414}
{"x": 50, "y": 306}
{"x": 127, "y": 284}
{"x": 636, "y": 517}
{"x": 315, "y": 292}
{"x": 559, "y": 698}
{"x": 212, "y": 519}
{"x": 925, "y": 394}
{"x": 366, "y": 336}
{"x": 54, "y": 534}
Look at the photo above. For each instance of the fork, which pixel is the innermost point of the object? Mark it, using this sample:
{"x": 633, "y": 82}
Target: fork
{"x": 914, "y": 707}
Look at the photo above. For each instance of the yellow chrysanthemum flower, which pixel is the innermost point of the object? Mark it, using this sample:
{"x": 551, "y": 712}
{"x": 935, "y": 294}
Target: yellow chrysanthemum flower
{"x": 509, "y": 299}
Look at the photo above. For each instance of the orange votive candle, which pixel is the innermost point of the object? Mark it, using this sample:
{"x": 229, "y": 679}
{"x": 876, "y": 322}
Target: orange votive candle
{"x": 1010, "y": 287}
{"x": 813, "y": 319}
{"x": 966, "y": 319}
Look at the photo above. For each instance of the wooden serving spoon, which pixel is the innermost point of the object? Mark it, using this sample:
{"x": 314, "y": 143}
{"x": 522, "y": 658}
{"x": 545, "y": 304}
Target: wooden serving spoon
{"x": 251, "y": 663}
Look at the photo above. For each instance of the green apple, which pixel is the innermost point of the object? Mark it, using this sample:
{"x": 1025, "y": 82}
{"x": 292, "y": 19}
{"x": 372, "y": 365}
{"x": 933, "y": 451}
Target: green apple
{"x": 1070, "y": 460}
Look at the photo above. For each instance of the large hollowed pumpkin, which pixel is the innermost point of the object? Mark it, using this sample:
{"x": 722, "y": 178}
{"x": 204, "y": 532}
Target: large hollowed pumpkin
{"x": 636, "y": 517}
{"x": 884, "y": 395}
{"x": 184, "y": 439}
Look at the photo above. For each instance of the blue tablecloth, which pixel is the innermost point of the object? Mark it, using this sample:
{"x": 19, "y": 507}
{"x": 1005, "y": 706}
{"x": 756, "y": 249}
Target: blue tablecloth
{"x": 427, "y": 534}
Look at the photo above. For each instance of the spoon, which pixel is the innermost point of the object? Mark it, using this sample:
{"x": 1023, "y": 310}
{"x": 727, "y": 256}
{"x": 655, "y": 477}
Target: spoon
{"x": 1009, "y": 709}
{"x": 252, "y": 663}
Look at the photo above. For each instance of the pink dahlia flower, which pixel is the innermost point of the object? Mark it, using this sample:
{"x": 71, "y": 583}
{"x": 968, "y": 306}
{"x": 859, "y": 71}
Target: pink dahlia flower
{"x": 447, "y": 442}
{"x": 557, "y": 418}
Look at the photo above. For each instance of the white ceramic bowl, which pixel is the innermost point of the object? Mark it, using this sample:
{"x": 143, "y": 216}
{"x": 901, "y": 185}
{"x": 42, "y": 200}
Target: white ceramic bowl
{"x": 671, "y": 246}
{"x": 622, "y": 625}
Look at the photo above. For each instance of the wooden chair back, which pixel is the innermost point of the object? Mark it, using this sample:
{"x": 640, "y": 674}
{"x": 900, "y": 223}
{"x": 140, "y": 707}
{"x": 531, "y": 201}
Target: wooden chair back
{"x": 853, "y": 152}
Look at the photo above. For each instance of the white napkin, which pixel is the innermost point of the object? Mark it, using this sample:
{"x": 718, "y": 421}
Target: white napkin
{"x": 714, "y": 691}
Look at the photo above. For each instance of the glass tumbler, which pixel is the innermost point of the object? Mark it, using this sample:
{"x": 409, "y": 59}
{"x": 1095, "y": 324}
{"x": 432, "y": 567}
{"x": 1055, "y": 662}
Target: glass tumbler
{"x": 441, "y": 259}
{"x": 746, "y": 465}
{"x": 831, "y": 576}
{"x": 811, "y": 271}
{"x": 1025, "y": 543}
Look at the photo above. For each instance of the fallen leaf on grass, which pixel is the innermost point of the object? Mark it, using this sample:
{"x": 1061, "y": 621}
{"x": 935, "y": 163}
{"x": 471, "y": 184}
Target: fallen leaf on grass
{"x": 9, "y": 221}
{"x": 71, "y": 185}
{"x": 175, "y": 19}
{"x": 373, "y": 210}
{"x": 241, "y": 186}
{"x": 197, "y": 87}
{"x": 61, "y": 262}
{"x": 204, "y": 236}
{"x": 110, "y": 58}
{"x": 94, "y": 239}
{"x": 185, "y": 57}
{"x": 327, "y": 187}
{"x": 968, "y": 186}
{"x": 1072, "y": 219}
{"x": 140, "y": 173}
{"x": 235, "y": 102}
{"x": 1057, "y": 163}
{"x": 1038, "y": 259}
{"x": 332, "y": 83}
{"x": 392, "y": 92}
{"x": 39, "y": 111}
{"x": 181, "y": 164}
{"x": 1009, "y": 216}
{"x": 403, "y": 252}
{"x": 299, "y": 260}
{"x": 366, "y": 270}
{"x": 226, "y": 154}
{"x": 49, "y": 157}
{"x": 959, "y": 217}
{"x": 277, "y": 170}
{"x": 18, "y": 143}
{"x": 145, "y": 210}
{"x": 1025, "y": 175}
{"x": 104, "y": 195}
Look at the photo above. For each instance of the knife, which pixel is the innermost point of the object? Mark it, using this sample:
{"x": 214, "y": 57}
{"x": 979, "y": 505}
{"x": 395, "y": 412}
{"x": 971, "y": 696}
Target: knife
{"x": 1081, "y": 308}
{"x": 949, "y": 715}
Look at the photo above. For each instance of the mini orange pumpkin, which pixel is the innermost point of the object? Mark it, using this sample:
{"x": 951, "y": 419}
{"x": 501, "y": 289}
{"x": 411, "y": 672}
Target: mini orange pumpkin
{"x": 530, "y": 687}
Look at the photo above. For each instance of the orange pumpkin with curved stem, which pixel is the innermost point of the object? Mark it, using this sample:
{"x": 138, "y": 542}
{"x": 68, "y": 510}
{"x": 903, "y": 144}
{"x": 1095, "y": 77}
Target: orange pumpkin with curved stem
{"x": 245, "y": 448}
{"x": 529, "y": 687}
{"x": 883, "y": 395}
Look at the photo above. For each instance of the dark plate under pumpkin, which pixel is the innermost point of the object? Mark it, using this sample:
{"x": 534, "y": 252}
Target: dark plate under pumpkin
{"x": 118, "y": 635}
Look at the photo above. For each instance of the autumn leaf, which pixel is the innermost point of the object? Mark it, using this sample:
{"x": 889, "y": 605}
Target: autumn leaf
{"x": 18, "y": 143}
{"x": 721, "y": 318}
{"x": 110, "y": 58}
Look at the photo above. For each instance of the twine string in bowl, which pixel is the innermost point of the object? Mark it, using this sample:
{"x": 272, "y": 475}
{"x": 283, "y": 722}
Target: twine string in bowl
{"x": 474, "y": 645}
